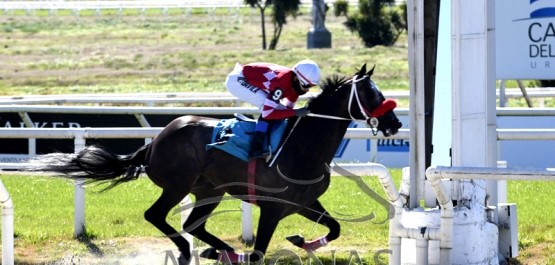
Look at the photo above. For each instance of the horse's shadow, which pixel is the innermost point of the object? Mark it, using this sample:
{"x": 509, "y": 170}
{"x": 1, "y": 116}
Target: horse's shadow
{"x": 92, "y": 248}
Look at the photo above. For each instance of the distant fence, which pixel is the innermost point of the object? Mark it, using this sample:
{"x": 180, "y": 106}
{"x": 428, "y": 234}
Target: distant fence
{"x": 76, "y": 6}
{"x": 141, "y": 6}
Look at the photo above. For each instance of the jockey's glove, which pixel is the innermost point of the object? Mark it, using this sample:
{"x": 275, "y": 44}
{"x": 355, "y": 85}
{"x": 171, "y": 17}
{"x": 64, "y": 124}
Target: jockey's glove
{"x": 301, "y": 112}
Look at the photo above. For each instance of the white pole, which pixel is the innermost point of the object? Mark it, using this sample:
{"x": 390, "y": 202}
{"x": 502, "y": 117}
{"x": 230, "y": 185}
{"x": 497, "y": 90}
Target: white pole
{"x": 502, "y": 185}
{"x": 7, "y": 226}
{"x": 373, "y": 150}
{"x": 493, "y": 199}
{"x": 246, "y": 224}
{"x": 79, "y": 194}
{"x": 422, "y": 251}
{"x": 502, "y": 100}
{"x": 489, "y": 173}
{"x": 416, "y": 116}
{"x": 32, "y": 149}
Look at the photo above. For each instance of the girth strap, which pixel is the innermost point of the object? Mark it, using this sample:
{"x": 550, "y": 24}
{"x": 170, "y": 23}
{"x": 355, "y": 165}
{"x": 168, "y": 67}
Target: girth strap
{"x": 251, "y": 173}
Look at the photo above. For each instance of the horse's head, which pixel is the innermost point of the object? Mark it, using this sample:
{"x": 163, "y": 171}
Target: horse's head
{"x": 377, "y": 111}
{"x": 361, "y": 100}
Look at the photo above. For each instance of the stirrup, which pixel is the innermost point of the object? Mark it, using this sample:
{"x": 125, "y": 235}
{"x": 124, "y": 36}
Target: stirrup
{"x": 266, "y": 155}
{"x": 260, "y": 155}
{"x": 269, "y": 156}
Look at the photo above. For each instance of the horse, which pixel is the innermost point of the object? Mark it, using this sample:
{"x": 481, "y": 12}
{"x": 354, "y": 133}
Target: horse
{"x": 178, "y": 161}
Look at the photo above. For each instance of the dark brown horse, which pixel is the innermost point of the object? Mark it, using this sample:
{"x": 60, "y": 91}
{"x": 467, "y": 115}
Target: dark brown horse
{"x": 178, "y": 162}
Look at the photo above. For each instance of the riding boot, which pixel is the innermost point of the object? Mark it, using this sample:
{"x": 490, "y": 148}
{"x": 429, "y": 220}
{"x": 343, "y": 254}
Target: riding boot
{"x": 258, "y": 141}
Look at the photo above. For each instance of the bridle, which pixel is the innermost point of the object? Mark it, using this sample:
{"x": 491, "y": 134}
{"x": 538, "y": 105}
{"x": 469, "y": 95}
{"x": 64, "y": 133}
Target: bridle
{"x": 368, "y": 117}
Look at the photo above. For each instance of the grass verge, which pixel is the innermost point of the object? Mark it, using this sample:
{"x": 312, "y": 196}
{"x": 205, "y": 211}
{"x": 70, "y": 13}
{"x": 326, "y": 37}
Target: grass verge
{"x": 114, "y": 221}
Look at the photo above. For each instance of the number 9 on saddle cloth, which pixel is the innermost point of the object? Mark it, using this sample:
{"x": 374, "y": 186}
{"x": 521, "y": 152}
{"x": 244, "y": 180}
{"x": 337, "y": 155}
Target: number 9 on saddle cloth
{"x": 234, "y": 136}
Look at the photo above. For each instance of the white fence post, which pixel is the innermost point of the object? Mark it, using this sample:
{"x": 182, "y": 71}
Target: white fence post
{"x": 502, "y": 100}
{"x": 374, "y": 150}
{"x": 502, "y": 185}
{"x": 79, "y": 193}
{"x": 7, "y": 226}
{"x": 246, "y": 223}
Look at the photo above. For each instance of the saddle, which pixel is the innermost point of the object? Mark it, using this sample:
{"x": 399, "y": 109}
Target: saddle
{"x": 234, "y": 136}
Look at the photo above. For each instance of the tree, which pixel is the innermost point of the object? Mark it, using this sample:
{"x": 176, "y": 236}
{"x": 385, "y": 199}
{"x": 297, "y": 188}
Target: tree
{"x": 375, "y": 24}
{"x": 282, "y": 8}
{"x": 262, "y": 6}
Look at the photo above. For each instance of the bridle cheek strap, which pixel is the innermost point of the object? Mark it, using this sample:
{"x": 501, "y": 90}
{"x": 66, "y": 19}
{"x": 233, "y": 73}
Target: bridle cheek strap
{"x": 371, "y": 118}
{"x": 354, "y": 94}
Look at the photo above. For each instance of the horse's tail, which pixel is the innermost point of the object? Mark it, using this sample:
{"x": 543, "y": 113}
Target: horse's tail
{"x": 94, "y": 164}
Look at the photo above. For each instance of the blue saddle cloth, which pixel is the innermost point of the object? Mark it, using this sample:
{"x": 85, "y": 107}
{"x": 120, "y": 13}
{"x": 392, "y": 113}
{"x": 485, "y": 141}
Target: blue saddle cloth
{"x": 234, "y": 136}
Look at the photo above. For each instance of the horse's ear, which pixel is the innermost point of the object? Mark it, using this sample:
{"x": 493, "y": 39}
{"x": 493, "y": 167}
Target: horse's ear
{"x": 362, "y": 71}
{"x": 371, "y": 71}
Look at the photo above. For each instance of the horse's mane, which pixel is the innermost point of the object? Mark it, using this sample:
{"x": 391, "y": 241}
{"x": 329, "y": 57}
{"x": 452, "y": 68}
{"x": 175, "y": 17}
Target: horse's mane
{"x": 328, "y": 86}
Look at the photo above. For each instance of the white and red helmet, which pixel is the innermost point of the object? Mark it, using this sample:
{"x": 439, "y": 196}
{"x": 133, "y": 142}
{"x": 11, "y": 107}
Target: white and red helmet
{"x": 307, "y": 72}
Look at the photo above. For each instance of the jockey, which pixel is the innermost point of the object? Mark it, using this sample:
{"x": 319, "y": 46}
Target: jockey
{"x": 264, "y": 85}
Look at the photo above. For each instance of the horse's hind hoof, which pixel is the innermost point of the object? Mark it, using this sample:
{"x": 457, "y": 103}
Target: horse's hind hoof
{"x": 297, "y": 240}
{"x": 181, "y": 260}
{"x": 209, "y": 253}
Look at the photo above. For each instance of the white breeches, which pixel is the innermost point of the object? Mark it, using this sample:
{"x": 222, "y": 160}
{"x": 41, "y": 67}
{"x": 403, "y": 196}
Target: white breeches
{"x": 238, "y": 86}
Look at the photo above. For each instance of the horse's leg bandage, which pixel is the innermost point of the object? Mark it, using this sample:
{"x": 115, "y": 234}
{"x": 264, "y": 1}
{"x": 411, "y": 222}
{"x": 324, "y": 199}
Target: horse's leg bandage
{"x": 316, "y": 244}
{"x": 233, "y": 257}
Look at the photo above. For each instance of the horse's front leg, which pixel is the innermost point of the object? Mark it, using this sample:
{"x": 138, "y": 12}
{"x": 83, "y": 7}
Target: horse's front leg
{"x": 318, "y": 214}
{"x": 267, "y": 223}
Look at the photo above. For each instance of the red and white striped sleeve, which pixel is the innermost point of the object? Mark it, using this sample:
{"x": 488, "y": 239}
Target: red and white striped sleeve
{"x": 289, "y": 102}
{"x": 270, "y": 111}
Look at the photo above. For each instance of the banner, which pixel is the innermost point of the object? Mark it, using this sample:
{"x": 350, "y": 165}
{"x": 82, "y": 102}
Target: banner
{"x": 525, "y": 39}
{"x": 15, "y": 150}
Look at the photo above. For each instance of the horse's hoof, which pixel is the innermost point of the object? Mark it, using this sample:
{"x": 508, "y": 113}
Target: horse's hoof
{"x": 297, "y": 240}
{"x": 181, "y": 260}
{"x": 209, "y": 253}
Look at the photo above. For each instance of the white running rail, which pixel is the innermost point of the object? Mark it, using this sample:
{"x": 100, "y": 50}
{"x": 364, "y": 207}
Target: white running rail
{"x": 7, "y": 226}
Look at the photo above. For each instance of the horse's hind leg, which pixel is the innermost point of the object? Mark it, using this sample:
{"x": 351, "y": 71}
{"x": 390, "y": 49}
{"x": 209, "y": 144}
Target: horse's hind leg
{"x": 318, "y": 214}
{"x": 157, "y": 213}
{"x": 207, "y": 198}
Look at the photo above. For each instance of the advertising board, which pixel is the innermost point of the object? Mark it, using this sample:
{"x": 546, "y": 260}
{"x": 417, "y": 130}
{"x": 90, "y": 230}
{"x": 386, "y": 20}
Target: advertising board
{"x": 525, "y": 39}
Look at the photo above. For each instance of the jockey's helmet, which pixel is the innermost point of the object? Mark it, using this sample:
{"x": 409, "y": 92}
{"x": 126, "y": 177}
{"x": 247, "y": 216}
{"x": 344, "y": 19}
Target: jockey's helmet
{"x": 307, "y": 72}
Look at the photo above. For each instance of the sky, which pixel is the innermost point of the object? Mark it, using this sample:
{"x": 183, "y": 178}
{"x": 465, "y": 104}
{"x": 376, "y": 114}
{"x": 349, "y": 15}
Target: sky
{"x": 442, "y": 116}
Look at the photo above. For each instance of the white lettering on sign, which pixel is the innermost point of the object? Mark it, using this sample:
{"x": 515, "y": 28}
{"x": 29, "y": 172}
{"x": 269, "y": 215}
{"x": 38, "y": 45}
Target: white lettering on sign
{"x": 8, "y": 124}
